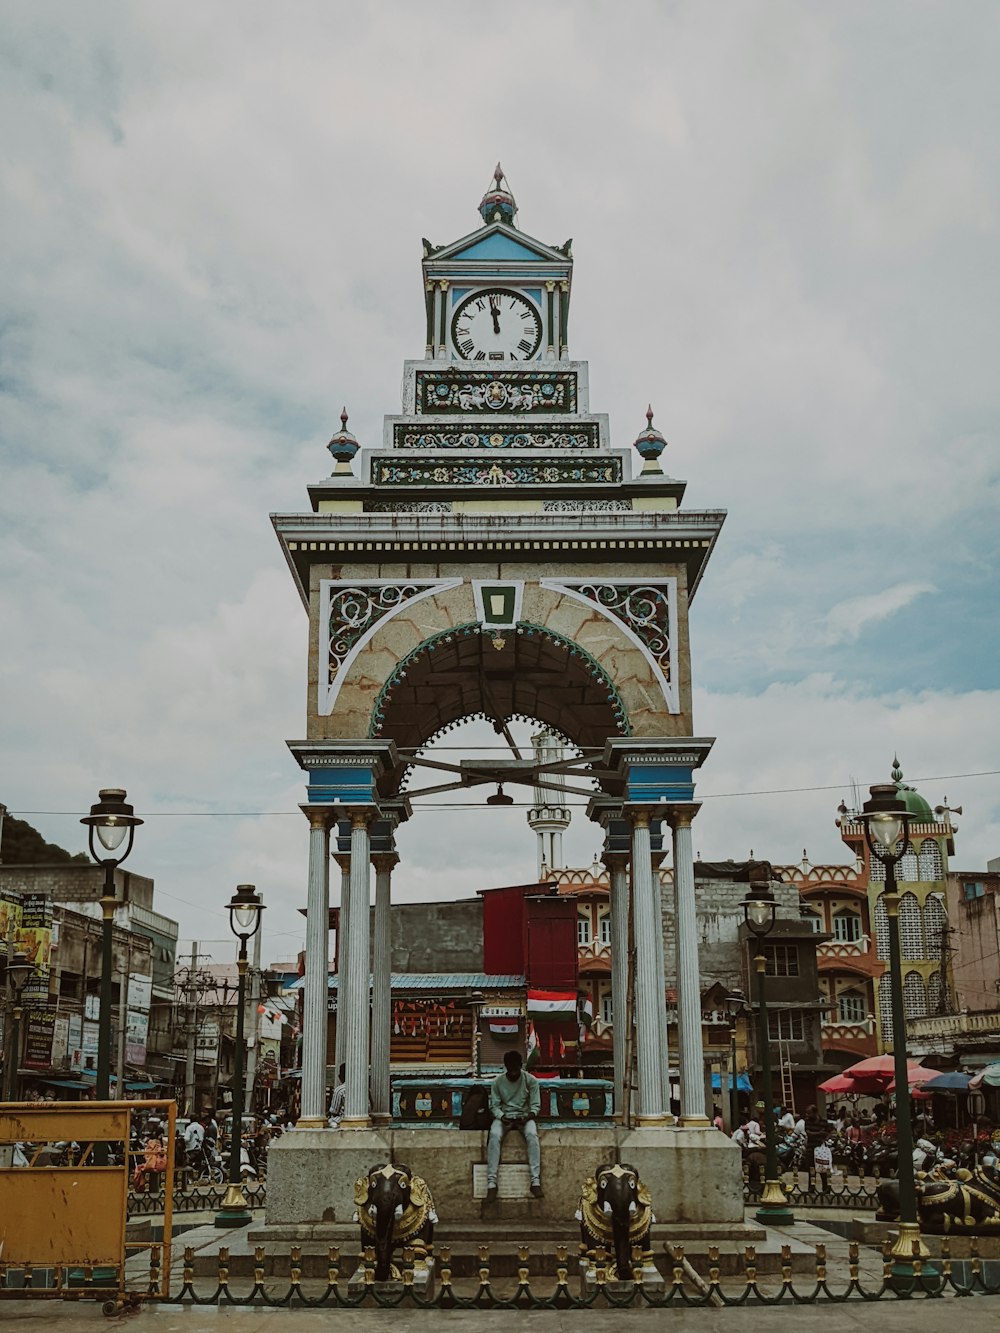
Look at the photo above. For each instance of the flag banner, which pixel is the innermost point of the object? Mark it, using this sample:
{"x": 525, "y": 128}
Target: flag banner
{"x": 551, "y": 1004}
{"x": 503, "y": 1029}
{"x": 586, "y": 1010}
{"x": 272, "y": 1014}
{"x": 533, "y": 1054}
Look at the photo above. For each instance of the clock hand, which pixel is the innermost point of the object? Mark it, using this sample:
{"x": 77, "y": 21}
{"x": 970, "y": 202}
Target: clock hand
{"x": 495, "y": 312}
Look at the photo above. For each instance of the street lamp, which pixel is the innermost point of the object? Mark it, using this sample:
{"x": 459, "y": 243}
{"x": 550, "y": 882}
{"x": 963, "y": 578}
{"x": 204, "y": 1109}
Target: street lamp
{"x": 887, "y": 829}
{"x": 19, "y": 972}
{"x": 112, "y": 820}
{"x": 758, "y": 913}
{"x": 245, "y": 910}
{"x": 736, "y": 1006}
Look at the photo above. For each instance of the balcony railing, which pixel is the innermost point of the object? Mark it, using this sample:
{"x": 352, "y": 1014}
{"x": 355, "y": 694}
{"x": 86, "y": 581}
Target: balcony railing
{"x": 845, "y": 948}
{"x": 952, "y": 1025}
{"x": 838, "y": 1031}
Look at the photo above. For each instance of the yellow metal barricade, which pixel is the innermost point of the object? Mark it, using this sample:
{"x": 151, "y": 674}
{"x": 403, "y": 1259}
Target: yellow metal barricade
{"x": 69, "y": 1215}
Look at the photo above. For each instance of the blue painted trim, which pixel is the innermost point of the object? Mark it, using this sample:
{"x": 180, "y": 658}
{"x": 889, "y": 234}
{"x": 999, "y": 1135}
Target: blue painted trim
{"x": 497, "y": 246}
{"x": 659, "y": 782}
{"x": 355, "y": 785}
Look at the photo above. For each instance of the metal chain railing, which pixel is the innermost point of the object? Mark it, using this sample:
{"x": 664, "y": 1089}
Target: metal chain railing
{"x": 192, "y": 1197}
{"x": 815, "y": 1189}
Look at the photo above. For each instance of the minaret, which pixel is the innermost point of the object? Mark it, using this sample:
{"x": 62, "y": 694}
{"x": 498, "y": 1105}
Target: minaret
{"x": 549, "y": 816}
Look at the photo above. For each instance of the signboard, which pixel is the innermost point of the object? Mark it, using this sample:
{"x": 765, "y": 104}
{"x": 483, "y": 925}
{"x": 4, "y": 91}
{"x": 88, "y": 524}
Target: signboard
{"x": 60, "y": 1042}
{"x": 34, "y": 938}
{"x": 136, "y": 1033}
{"x": 206, "y": 1043}
{"x": 91, "y": 1039}
{"x": 75, "y": 1031}
{"x": 92, "y": 1007}
{"x": 38, "y": 1039}
{"x": 10, "y": 918}
{"x": 502, "y": 1010}
{"x": 140, "y": 991}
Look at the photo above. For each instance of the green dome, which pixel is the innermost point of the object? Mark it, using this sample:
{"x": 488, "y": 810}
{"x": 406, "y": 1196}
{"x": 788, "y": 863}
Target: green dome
{"x": 911, "y": 798}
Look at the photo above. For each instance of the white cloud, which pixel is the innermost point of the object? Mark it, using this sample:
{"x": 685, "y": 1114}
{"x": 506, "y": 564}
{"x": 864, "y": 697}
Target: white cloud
{"x": 847, "y": 621}
{"x": 212, "y": 241}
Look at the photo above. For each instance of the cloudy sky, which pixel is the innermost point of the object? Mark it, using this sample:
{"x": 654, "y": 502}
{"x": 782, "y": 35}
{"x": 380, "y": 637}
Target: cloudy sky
{"x": 785, "y": 230}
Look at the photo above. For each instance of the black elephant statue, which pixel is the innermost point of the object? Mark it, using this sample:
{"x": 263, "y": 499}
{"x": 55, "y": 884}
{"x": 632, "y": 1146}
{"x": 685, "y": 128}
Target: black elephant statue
{"x": 615, "y": 1214}
{"x": 961, "y": 1201}
{"x": 395, "y": 1208}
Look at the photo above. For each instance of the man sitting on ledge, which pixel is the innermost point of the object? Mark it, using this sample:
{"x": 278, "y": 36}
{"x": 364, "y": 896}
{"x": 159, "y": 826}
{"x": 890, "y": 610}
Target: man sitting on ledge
{"x": 515, "y": 1099}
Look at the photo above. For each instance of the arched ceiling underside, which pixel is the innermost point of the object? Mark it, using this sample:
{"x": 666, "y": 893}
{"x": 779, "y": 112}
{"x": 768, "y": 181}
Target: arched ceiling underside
{"x": 532, "y": 676}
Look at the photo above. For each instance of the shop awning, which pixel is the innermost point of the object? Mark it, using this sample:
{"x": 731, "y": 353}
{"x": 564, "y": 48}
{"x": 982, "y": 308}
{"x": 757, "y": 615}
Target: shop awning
{"x": 77, "y": 1083}
{"x": 743, "y": 1083}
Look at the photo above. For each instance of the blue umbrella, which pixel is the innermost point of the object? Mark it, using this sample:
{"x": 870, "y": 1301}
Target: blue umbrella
{"x": 951, "y": 1082}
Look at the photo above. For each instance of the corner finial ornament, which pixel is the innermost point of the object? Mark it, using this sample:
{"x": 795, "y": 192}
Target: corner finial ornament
{"x": 343, "y": 446}
{"x": 649, "y": 445}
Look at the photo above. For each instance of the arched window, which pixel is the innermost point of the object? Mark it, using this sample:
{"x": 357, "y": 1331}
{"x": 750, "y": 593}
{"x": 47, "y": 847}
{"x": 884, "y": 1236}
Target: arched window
{"x": 907, "y": 870}
{"x": 931, "y": 861}
{"x": 914, "y": 995}
{"x": 583, "y": 928}
{"x": 911, "y": 933}
{"x": 852, "y": 1006}
{"x": 935, "y": 924}
{"x": 881, "y": 928}
{"x": 885, "y": 1010}
{"x": 604, "y": 928}
{"x": 934, "y": 993}
{"x": 846, "y": 927}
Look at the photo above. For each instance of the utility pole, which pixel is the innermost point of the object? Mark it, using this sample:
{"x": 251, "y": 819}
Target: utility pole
{"x": 253, "y": 1026}
{"x": 191, "y": 996}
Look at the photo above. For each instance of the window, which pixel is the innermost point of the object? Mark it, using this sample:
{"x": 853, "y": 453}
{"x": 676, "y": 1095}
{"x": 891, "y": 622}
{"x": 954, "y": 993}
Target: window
{"x": 907, "y": 870}
{"x": 885, "y": 1010}
{"x": 911, "y": 928}
{"x": 785, "y": 1025}
{"x": 607, "y": 1013}
{"x": 881, "y": 928}
{"x": 931, "y": 861}
{"x": 604, "y": 928}
{"x": 847, "y": 927}
{"x": 781, "y": 960}
{"x": 935, "y": 924}
{"x": 914, "y": 995}
{"x": 583, "y": 930}
{"x": 852, "y": 1007}
{"x": 813, "y": 920}
{"x": 973, "y": 889}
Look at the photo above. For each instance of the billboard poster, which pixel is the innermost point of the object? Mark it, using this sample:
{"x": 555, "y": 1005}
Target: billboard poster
{"x": 34, "y": 938}
{"x": 136, "y": 1033}
{"x": 206, "y": 1050}
{"x": 75, "y": 1031}
{"x": 60, "y": 1041}
{"x": 140, "y": 992}
{"x": 10, "y": 919}
{"x": 38, "y": 1039}
{"x": 91, "y": 1039}
{"x": 92, "y": 1007}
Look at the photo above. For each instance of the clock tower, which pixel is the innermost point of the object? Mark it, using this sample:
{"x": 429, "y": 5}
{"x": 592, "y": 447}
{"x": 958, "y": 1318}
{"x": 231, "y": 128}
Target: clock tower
{"x": 496, "y": 295}
{"x": 496, "y": 555}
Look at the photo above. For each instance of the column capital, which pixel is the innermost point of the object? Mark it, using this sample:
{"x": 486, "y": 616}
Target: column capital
{"x": 359, "y": 815}
{"x": 344, "y": 863}
{"x": 319, "y": 816}
{"x": 638, "y": 816}
{"x": 682, "y": 816}
{"x": 385, "y": 861}
{"x": 615, "y": 860}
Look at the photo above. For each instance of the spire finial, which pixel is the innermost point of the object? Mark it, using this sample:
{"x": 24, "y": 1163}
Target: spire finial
{"x": 497, "y": 204}
{"x": 343, "y": 446}
{"x": 343, "y": 418}
{"x": 897, "y": 772}
{"x": 650, "y": 444}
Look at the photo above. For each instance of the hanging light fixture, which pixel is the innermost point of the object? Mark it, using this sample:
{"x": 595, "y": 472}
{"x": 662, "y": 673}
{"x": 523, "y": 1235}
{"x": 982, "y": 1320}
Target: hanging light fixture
{"x": 498, "y": 797}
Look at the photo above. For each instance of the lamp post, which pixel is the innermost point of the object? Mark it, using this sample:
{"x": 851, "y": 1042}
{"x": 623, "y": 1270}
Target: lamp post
{"x": 245, "y": 910}
{"x": 112, "y": 820}
{"x": 19, "y": 971}
{"x": 737, "y": 1005}
{"x": 886, "y": 822}
{"x": 758, "y": 914}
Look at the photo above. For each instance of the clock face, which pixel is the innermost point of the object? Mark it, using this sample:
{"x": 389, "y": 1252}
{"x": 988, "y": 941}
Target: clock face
{"x": 496, "y": 325}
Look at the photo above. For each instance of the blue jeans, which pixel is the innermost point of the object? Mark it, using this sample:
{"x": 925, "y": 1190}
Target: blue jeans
{"x": 497, "y": 1131}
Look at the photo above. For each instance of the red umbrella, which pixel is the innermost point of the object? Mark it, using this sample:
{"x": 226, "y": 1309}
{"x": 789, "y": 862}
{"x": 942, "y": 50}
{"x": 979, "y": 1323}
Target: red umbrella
{"x": 876, "y": 1066}
{"x": 853, "y": 1087}
{"x": 915, "y": 1075}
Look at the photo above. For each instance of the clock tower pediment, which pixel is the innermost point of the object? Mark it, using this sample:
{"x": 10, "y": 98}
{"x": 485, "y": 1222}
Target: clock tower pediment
{"x": 498, "y": 242}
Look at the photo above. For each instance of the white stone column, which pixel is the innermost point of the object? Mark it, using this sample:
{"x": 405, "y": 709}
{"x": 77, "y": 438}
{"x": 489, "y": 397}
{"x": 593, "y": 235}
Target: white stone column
{"x": 648, "y": 996}
{"x": 618, "y": 871}
{"x": 314, "y": 998}
{"x": 661, "y": 1013}
{"x": 382, "y": 987}
{"x": 344, "y": 862}
{"x": 692, "y": 1058}
{"x": 355, "y": 974}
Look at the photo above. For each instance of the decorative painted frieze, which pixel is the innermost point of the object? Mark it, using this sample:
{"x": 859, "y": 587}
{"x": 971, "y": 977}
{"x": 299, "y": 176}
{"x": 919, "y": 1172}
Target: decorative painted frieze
{"x": 592, "y": 506}
{"x": 585, "y": 435}
{"x": 441, "y": 392}
{"x": 448, "y": 472}
{"x": 408, "y": 507}
{"x": 646, "y": 610}
{"x": 350, "y": 613}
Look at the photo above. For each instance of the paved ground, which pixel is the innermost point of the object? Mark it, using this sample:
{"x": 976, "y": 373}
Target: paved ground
{"x": 982, "y": 1315}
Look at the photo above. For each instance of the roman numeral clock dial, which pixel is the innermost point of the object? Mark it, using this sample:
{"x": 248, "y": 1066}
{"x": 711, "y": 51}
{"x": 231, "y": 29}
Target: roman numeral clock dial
{"x": 496, "y": 325}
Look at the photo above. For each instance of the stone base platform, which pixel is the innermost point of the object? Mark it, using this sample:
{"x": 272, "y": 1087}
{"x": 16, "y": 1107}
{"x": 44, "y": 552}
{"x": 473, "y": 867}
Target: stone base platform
{"x": 693, "y": 1175}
